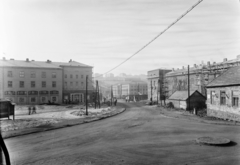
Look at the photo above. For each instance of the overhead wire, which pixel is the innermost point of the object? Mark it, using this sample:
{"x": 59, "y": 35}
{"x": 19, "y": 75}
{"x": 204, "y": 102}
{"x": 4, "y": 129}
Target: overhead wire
{"x": 139, "y": 50}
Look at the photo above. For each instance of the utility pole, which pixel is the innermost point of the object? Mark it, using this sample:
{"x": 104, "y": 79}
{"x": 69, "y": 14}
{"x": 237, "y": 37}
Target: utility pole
{"x": 188, "y": 89}
{"x": 99, "y": 103}
{"x": 151, "y": 91}
{"x": 87, "y": 95}
{"x": 95, "y": 97}
{"x": 111, "y": 95}
{"x": 157, "y": 90}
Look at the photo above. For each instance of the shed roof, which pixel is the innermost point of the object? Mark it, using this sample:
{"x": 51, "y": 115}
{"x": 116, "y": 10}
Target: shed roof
{"x": 181, "y": 95}
{"x": 227, "y": 78}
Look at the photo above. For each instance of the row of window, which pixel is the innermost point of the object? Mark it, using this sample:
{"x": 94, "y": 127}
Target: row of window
{"x": 71, "y": 84}
{"x": 32, "y": 84}
{"x": 10, "y": 93}
{"x": 34, "y": 99}
{"x": 32, "y": 74}
{"x": 43, "y": 75}
{"x": 71, "y": 76}
{"x": 224, "y": 96}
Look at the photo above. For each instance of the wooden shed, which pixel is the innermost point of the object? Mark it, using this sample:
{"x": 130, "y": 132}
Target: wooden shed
{"x": 180, "y": 100}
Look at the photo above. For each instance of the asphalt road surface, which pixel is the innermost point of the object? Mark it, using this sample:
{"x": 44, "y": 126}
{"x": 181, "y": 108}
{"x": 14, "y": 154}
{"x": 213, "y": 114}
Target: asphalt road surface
{"x": 140, "y": 135}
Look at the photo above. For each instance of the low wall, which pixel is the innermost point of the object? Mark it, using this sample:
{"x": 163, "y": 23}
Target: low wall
{"x": 223, "y": 115}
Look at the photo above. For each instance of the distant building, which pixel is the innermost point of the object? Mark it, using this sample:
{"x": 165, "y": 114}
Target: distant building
{"x": 37, "y": 82}
{"x": 109, "y": 75}
{"x": 156, "y": 88}
{"x": 117, "y": 90}
{"x": 134, "y": 91}
{"x": 181, "y": 100}
{"x": 223, "y": 95}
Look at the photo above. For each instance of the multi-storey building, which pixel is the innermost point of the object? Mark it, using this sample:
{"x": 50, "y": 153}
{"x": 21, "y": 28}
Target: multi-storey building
{"x": 137, "y": 91}
{"x": 156, "y": 89}
{"x": 36, "y": 82}
{"x": 199, "y": 76}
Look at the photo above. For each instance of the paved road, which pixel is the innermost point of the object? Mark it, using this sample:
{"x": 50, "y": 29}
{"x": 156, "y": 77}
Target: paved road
{"x": 140, "y": 135}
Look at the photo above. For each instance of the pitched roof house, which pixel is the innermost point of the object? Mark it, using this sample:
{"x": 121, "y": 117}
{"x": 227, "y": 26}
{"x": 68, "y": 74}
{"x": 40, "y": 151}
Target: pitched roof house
{"x": 223, "y": 95}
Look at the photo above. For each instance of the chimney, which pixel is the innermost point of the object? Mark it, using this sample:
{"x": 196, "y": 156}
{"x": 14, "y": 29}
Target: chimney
{"x": 48, "y": 61}
{"x": 208, "y": 63}
{"x": 70, "y": 60}
{"x": 172, "y": 69}
{"x": 27, "y": 60}
{"x": 225, "y": 60}
{"x": 195, "y": 65}
{"x": 183, "y": 67}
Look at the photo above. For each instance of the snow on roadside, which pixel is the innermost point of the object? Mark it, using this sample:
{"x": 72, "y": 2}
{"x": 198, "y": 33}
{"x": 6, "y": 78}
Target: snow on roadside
{"x": 47, "y": 118}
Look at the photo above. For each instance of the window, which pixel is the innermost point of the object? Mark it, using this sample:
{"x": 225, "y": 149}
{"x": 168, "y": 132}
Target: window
{"x": 9, "y": 84}
{"x": 21, "y": 100}
{"x": 65, "y": 84}
{"x": 54, "y": 99}
{"x": 71, "y": 76}
{"x": 21, "y": 84}
{"x": 33, "y": 75}
{"x": 33, "y": 99}
{"x": 33, "y": 84}
{"x": 213, "y": 97}
{"x": 44, "y": 75}
{"x": 81, "y": 83}
{"x": 76, "y": 76}
{"x": 71, "y": 84}
{"x": 76, "y": 83}
{"x": 44, "y": 84}
{"x": 9, "y": 74}
{"x": 44, "y": 99}
{"x": 65, "y": 76}
{"x": 21, "y": 74}
{"x": 235, "y": 98}
{"x": 222, "y": 97}
{"x": 54, "y": 84}
{"x": 81, "y": 76}
{"x": 54, "y": 75}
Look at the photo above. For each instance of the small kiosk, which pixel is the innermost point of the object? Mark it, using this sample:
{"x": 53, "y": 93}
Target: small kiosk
{"x": 7, "y": 108}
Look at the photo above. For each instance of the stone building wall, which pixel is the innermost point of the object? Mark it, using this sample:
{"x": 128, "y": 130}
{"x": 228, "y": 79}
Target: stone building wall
{"x": 228, "y": 111}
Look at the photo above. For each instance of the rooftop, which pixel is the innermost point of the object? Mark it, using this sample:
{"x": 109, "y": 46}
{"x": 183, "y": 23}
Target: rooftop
{"x": 229, "y": 77}
{"x": 38, "y": 64}
{"x": 181, "y": 95}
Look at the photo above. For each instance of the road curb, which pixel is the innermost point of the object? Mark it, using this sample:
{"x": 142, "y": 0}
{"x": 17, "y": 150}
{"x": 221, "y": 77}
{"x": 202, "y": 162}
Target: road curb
{"x": 28, "y": 131}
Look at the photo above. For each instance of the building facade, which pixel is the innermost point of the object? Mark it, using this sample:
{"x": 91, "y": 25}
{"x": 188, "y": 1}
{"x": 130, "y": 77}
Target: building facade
{"x": 35, "y": 82}
{"x": 134, "y": 91}
{"x": 199, "y": 76}
{"x": 156, "y": 86}
{"x": 223, "y": 95}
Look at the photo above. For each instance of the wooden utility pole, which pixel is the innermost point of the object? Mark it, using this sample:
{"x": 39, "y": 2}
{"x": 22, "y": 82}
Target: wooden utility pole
{"x": 99, "y": 103}
{"x": 87, "y": 95}
{"x": 151, "y": 91}
{"x": 188, "y": 89}
{"x": 95, "y": 96}
{"x": 111, "y": 95}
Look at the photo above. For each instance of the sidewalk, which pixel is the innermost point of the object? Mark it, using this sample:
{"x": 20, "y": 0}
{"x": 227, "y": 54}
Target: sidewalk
{"x": 55, "y": 120}
{"x": 185, "y": 115}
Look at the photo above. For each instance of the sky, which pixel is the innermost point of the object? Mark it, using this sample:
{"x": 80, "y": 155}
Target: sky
{"x": 103, "y": 33}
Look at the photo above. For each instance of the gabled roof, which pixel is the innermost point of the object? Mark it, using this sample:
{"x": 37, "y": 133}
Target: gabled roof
{"x": 182, "y": 95}
{"x": 228, "y": 78}
{"x": 39, "y": 64}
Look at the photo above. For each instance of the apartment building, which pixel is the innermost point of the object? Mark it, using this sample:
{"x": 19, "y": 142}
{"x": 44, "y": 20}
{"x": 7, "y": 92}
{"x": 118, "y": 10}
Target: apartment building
{"x": 137, "y": 91}
{"x": 36, "y": 82}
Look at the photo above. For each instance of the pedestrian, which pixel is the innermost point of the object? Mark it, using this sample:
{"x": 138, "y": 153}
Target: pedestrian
{"x": 115, "y": 102}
